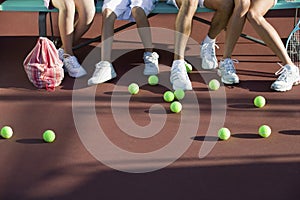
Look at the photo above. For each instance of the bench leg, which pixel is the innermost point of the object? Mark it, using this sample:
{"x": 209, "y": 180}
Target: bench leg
{"x": 42, "y": 24}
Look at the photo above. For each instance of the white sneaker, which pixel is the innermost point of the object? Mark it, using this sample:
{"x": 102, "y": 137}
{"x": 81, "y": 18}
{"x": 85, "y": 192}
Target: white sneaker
{"x": 151, "y": 63}
{"x": 179, "y": 77}
{"x": 208, "y": 55}
{"x": 227, "y": 71}
{"x": 104, "y": 71}
{"x": 289, "y": 76}
{"x": 73, "y": 67}
{"x": 61, "y": 53}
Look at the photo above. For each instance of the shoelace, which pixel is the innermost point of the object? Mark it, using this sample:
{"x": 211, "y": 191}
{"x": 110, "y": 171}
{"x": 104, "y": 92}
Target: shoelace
{"x": 282, "y": 72}
{"x": 71, "y": 61}
{"x": 212, "y": 52}
{"x": 98, "y": 69}
{"x": 151, "y": 58}
{"x": 228, "y": 65}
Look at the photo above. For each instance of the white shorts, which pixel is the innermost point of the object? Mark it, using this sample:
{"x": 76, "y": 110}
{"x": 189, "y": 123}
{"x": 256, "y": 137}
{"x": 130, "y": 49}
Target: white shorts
{"x": 173, "y": 2}
{"x": 122, "y": 8}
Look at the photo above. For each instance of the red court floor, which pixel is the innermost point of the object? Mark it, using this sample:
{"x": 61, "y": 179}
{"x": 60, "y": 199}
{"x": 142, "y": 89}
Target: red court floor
{"x": 80, "y": 163}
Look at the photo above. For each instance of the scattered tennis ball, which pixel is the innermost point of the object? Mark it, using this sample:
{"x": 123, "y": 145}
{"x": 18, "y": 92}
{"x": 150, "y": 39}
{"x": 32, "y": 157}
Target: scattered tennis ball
{"x": 175, "y": 107}
{"x": 6, "y": 132}
{"x": 133, "y": 88}
{"x": 188, "y": 67}
{"x": 153, "y": 80}
{"x": 179, "y": 94}
{"x": 49, "y": 136}
{"x": 214, "y": 84}
{"x": 224, "y": 133}
{"x": 259, "y": 101}
{"x": 264, "y": 131}
{"x": 169, "y": 96}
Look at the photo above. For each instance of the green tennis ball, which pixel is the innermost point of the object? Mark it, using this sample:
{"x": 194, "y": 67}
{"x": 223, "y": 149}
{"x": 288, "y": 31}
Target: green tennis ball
{"x": 153, "y": 80}
{"x": 214, "y": 84}
{"x": 264, "y": 131}
{"x": 259, "y": 101}
{"x": 169, "y": 96}
{"x": 6, "y": 132}
{"x": 179, "y": 94}
{"x": 224, "y": 133}
{"x": 188, "y": 67}
{"x": 49, "y": 136}
{"x": 133, "y": 88}
{"x": 175, "y": 107}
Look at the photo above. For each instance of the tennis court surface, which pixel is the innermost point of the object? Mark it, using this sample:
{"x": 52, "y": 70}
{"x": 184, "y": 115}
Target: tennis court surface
{"x": 246, "y": 166}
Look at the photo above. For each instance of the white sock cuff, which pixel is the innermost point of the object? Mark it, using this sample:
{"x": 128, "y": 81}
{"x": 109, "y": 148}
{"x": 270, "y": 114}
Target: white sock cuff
{"x": 208, "y": 39}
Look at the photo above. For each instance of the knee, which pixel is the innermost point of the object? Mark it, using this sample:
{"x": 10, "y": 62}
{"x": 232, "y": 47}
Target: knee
{"x": 242, "y": 7}
{"x": 108, "y": 16}
{"x": 188, "y": 8}
{"x": 137, "y": 11}
{"x": 67, "y": 7}
{"x": 190, "y": 4}
{"x": 225, "y": 7}
{"x": 254, "y": 17}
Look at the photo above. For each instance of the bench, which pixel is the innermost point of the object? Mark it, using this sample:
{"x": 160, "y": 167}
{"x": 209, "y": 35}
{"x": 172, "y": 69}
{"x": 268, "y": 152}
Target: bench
{"x": 161, "y": 8}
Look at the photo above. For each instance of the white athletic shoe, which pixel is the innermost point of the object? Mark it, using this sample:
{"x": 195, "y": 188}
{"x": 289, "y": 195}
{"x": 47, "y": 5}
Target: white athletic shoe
{"x": 179, "y": 77}
{"x": 151, "y": 63}
{"x": 73, "y": 67}
{"x": 208, "y": 55}
{"x": 61, "y": 53}
{"x": 104, "y": 71}
{"x": 289, "y": 76}
{"x": 227, "y": 71}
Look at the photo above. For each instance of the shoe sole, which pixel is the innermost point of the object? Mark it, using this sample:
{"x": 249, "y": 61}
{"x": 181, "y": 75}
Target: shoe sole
{"x": 208, "y": 69}
{"x": 114, "y": 75}
{"x": 149, "y": 74}
{"x": 178, "y": 88}
{"x": 282, "y": 90}
{"x": 227, "y": 82}
{"x": 288, "y": 88}
{"x": 76, "y": 76}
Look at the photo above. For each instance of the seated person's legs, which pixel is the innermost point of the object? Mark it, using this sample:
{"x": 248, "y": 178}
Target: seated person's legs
{"x": 140, "y": 10}
{"x": 234, "y": 29}
{"x": 183, "y": 25}
{"x": 86, "y": 12}
{"x": 66, "y": 28}
{"x": 104, "y": 70}
{"x": 122, "y": 9}
{"x": 223, "y": 10}
{"x": 289, "y": 73}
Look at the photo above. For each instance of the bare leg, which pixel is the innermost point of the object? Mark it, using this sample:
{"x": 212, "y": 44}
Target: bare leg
{"x": 223, "y": 10}
{"x": 143, "y": 27}
{"x": 86, "y": 13}
{"x": 183, "y": 26}
{"x": 265, "y": 30}
{"x": 108, "y": 20}
{"x": 235, "y": 26}
{"x": 66, "y": 23}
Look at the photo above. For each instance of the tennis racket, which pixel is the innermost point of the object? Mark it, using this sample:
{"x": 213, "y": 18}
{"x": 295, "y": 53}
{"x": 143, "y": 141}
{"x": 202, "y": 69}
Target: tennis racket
{"x": 293, "y": 45}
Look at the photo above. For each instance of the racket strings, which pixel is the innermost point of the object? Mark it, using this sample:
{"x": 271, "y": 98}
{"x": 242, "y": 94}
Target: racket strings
{"x": 294, "y": 48}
